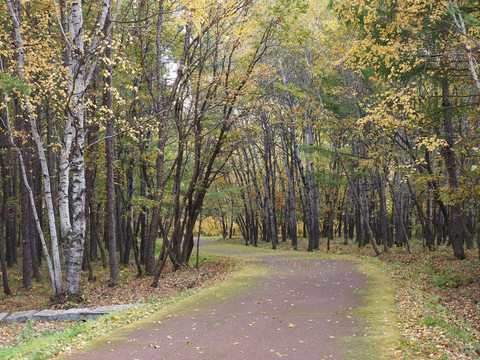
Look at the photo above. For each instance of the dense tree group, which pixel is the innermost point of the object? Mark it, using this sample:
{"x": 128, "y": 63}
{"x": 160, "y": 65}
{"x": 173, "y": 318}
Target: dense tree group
{"x": 122, "y": 121}
{"x": 369, "y": 124}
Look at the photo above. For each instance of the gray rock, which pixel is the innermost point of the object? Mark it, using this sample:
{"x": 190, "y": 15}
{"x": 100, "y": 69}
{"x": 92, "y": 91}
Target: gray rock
{"x": 3, "y": 316}
{"x": 74, "y": 314}
{"x": 20, "y": 316}
{"x": 111, "y": 308}
{"x": 64, "y": 315}
{"x": 104, "y": 310}
{"x": 48, "y": 315}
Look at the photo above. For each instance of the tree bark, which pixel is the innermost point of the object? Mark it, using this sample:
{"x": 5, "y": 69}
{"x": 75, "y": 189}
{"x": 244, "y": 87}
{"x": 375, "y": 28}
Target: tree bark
{"x": 55, "y": 271}
{"x": 456, "y": 224}
{"x": 110, "y": 163}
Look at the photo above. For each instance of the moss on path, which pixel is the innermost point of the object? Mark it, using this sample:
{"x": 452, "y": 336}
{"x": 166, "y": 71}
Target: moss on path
{"x": 280, "y": 304}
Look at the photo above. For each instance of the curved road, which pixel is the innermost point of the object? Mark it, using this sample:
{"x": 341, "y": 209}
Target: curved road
{"x": 279, "y": 305}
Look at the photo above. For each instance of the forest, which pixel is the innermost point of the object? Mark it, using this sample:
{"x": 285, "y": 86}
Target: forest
{"x": 125, "y": 124}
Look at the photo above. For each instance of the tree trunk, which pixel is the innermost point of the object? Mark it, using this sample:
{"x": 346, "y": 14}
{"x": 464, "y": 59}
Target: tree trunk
{"x": 357, "y": 198}
{"x": 3, "y": 263}
{"x": 305, "y": 196}
{"x": 346, "y": 221}
{"x": 110, "y": 165}
{"x": 74, "y": 139}
{"x": 382, "y": 212}
{"x": 4, "y": 222}
{"x": 55, "y": 270}
{"x": 161, "y": 116}
{"x": 270, "y": 219}
{"x": 456, "y": 228}
{"x": 26, "y": 239}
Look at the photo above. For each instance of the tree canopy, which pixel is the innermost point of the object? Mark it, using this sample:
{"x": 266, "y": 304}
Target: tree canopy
{"x": 122, "y": 122}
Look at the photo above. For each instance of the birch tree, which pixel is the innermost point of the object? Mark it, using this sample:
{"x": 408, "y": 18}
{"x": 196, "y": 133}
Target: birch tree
{"x": 55, "y": 269}
{"x": 80, "y": 61}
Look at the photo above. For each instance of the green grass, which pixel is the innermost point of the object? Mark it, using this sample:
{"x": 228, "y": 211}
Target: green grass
{"x": 378, "y": 316}
{"x": 44, "y": 347}
{"x": 424, "y": 283}
{"x": 52, "y": 344}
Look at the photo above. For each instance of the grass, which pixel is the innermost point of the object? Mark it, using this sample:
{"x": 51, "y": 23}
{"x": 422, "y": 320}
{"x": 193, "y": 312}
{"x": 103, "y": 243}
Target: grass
{"x": 435, "y": 301}
{"x": 382, "y": 330}
{"x": 46, "y": 346}
{"x": 81, "y": 332}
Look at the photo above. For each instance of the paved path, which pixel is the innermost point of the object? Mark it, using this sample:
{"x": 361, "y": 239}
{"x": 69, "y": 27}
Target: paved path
{"x": 278, "y": 306}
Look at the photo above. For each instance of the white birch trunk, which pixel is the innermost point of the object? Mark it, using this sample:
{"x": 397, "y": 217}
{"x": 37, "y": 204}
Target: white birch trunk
{"x": 72, "y": 161}
{"x": 55, "y": 271}
{"x": 63, "y": 189}
{"x": 73, "y": 231}
{"x": 73, "y": 270}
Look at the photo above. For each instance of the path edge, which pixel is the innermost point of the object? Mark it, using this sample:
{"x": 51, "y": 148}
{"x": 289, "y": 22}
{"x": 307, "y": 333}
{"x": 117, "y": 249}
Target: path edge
{"x": 382, "y": 335}
{"x": 238, "y": 280}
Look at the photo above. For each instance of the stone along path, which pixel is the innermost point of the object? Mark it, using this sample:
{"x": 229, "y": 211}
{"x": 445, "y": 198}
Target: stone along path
{"x": 277, "y": 306}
